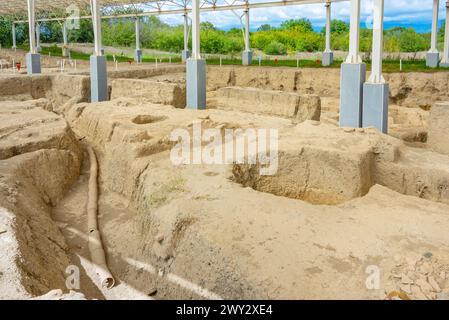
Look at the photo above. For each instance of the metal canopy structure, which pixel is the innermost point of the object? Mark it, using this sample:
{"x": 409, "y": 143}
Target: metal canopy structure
{"x": 56, "y": 10}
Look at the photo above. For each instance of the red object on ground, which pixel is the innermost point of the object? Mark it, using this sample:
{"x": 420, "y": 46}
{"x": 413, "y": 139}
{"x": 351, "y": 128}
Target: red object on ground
{"x": 18, "y": 66}
{"x": 276, "y": 61}
{"x": 130, "y": 62}
{"x": 318, "y": 62}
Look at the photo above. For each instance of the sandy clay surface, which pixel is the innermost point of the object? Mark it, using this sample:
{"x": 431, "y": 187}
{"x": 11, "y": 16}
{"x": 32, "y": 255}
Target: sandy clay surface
{"x": 349, "y": 214}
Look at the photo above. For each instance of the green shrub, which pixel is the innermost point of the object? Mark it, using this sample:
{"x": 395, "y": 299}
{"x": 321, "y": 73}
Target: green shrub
{"x": 275, "y": 48}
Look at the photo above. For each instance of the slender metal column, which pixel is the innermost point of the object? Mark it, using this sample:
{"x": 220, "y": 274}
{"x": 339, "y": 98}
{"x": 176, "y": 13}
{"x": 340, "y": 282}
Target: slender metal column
{"x": 98, "y": 66}
{"x": 186, "y": 32}
{"x": 38, "y": 37}
{"x": 247, "y": 45}
{"x": 434, "y": 39}
{"x": 433, "y": 56}
{"x": 137, "y": 33}
{"x": 138, "y": 52}
{"x": 354, "y": 33}
{"x": 378, "y": 36}
{"x": 14, "y": 41}
{"x": 196, "y": 29}
{"x": 96, "y": 22}
{"x": 328, "y": 27}
{"x": 65, "y": 45}
{"x": 33, "y": 59}
{"x": 32, "y": 26}
{"x": 328, "y": 55}
{"x": 353, "y": 75}
{"x": 247, "y": 55}
{"x": 445, "y": 61}
{"x": 186, "y": 52}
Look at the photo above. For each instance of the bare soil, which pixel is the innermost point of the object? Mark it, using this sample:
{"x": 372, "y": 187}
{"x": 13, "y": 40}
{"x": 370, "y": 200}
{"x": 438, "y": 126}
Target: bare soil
{"x": 344, "y": 202}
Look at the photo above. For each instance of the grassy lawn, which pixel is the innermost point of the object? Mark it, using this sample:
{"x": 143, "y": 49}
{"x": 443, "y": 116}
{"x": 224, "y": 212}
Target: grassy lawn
{"x": 389, "y": 66}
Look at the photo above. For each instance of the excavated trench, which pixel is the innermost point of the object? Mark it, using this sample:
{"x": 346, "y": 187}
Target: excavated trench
{"x": 159, "y": 222}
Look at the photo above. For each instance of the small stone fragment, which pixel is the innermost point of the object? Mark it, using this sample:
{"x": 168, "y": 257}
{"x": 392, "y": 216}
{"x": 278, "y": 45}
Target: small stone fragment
{"x": 434, "y": 284}
{"x": 425, "y": 268}
{"x": 159, "y": 238}
{"x": 424, "y": 285}
{"x": 406, "y": 279}
{"x": 407, "y": 288}
{"x": 417, "y": 293}
{"x": 152, "y": 291}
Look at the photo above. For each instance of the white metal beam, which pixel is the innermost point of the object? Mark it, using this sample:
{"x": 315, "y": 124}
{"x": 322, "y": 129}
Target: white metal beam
{"x": 38, "y": 36}
{"x": 137, "y": 33}
{"x": 96, "y": 21}
{"x": 247, "y": 44}
{"x": 378, "y": 32}
{"x": 354, "y": 33}
{"x": 186, "y": 31}
{"x": 446, "y": 38}
{"x": 196, "y": 30}
{"x": 328, "y": 27}
{"x": 205, "y": 7}
{"x": 434, "y": 40}
{"x": 13, "y": 31}
{"x": 64, "y": 34}
{"x": 32, "y": 26}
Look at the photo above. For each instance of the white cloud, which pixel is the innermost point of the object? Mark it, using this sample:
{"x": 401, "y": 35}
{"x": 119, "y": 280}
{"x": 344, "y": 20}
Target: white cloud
{"x": 400, "y": 11}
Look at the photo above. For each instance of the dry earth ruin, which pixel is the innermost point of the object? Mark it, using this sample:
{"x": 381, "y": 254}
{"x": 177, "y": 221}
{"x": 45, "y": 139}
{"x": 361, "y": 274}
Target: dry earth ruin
{"x": 342, "y": 202}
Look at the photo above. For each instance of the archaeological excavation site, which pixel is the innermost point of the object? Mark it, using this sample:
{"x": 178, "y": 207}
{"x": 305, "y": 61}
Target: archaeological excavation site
{"x": 183, "y": 180}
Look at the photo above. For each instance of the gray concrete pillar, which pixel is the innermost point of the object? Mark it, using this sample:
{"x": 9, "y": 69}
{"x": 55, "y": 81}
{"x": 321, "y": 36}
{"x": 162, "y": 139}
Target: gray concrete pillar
{"x": 98, "y": 79}
{"x": 376, "y": 90}
{"x": 33, "y": 63}
{"x": 196, "y": 67}
{"x": 375, "y": 106}
{"x": 353, "y": 75}
{"x": 196, "y": 83}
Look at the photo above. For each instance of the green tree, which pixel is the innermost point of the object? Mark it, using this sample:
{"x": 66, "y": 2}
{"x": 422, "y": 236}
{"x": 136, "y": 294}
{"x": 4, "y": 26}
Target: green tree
{"x": 265, "y": 27}
{"x": 5, "y": 31}
{"x": 207, "y": 26}
{"x": 297, "y": 24}
{"x": 338, "y": 27}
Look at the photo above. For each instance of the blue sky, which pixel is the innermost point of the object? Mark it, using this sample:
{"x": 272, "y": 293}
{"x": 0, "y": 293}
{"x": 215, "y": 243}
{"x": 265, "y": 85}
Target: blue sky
{"x": 415, "y": 13}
